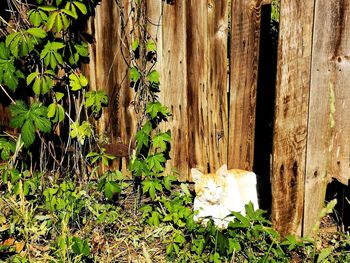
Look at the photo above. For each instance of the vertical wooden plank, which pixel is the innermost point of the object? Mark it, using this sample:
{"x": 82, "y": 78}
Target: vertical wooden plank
{"x": 154, "y": 29}
{"x": 244, "y": 62}
{"x": 216, "y": 95}
{"x": 108, "y": 71}
{"x": 174, "y": 82}
{"x": 197, "y": 83}
{"x": 290, "y": 128}
{"x": 328, "y": 147}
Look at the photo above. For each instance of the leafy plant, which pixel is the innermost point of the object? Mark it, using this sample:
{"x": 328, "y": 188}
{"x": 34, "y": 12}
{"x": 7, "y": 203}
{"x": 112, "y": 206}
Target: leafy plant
{"x": 22, "y": 43}
{"x": 95, "y": 100}
{"x": 9, "y": 74}
{"x": 81, "y": 131}
{"x": 50, "y": 54}
{"x": 42, "y": 83}
{"x": 6, "y": 148}
{"x": 111, "y": 183}
{"x": 29, "y": 120}
{"x": 77, "y": 81}
{"x": 55, "y": 111}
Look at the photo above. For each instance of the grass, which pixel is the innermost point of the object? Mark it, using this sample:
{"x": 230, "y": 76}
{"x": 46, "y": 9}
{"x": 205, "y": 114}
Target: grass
{"x": 71, "y": 222}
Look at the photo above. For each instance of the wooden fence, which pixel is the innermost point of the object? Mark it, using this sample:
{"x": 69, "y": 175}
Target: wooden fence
{"x": 219, "y": 82}
{"x": 219, "y": 117}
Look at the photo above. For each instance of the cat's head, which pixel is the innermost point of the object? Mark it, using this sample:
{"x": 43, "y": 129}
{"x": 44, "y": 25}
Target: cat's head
{"x": 210, "y": 188}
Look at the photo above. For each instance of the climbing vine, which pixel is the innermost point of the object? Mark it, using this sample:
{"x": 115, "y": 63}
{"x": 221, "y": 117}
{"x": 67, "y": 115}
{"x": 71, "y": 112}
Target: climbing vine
{"x": 152, "y": 145}
{"x": 41, "y": 53}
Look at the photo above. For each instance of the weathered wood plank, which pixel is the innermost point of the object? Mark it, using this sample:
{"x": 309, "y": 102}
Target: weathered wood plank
{"x": 328, "y": 147}
{"x": 244, "y": 60}
{"x": 174, "y": 83}
{"x": 291, "y": 111}
{"x": 108, "y": 71}
{"x": 197, "y": 83}
{"x": 216, "y": 93}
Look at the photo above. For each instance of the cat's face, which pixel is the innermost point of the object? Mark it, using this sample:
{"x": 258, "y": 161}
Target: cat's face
{"x": 209, "y": 188}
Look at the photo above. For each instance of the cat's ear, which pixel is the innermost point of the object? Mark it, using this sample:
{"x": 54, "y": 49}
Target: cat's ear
{"x": 222, "y": 171}
{"x": 196, "y": 175}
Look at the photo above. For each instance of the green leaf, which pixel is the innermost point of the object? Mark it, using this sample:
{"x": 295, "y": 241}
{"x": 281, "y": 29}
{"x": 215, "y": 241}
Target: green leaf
{"x": 36, "y": 86}
{"x": 179, "y": 238}
{"x": 72, "y": 12}
{"x": 143, "y": 136}
{"x": 160, "y": 140}
{"x": 134, "y": 74}
{"x": 82, "y": 49}
{"x": 156, "y": 109}
{"x": 47, "y": 8}
{"x": 322, "y": 258}
{"x": 28, "y": 133}
{"x": 81, "y": 7}
{"x": 50, "y": 55}
{"x": 155, "y": 162}
{"x": 59, "y": 96}
{"x": 10, "y": 38}
{"x": 135, "y": 44}
{"x": 37, "y": 32}
{"x": 31, "y": 77}
{"x": 51, "y": 110}
{"x": 151, "y": 46}
{"x": 81, "y": 132}
{"x": 111, "y": 188}
{"x": 168, "y": 180}
{"x": 154, "y": 219}
{"x": 95, "y": 100}
{"x": 51, "y": 20}
{"x": 153, "y": 77}
{"x": 80, "y": 247}
{"x": 59, "y": 23}
{"x": 29, "y": 120}
{"x": 34, "y": 17}
{"x": 7, "y": 148}
{"x": 77, "y": 81}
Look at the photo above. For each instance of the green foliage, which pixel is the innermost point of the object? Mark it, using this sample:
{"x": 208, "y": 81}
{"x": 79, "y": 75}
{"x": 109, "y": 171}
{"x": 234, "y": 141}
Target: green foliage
{"x": 6, "y": 148}
{"x": 57, "y": 18}
{"x": 95, "y": 100}
{"x": 55, "y": 111}
{"x": 77, "y": 81}
{"x": 22, "y": 43}
{"x": 101, "y": 156}
{"x": 81, "y": 131}
{"x": 29, "y": 120}
{"x": 80, "y": 247}
{"x": 42, "y": 83}
{"x": 50, "y": 54}
{"x": 37, "y": 17}
{"x": 9, "y": 74}
{"x": 112, "y": 183}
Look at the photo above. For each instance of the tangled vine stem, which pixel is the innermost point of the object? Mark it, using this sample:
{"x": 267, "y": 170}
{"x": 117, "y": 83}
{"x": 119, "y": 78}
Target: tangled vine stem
{"x": 136, "y": 22}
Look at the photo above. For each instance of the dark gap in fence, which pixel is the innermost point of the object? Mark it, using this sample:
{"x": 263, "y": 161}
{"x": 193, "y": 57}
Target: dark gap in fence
{"x": 341, "y": 192}
{"x": 265, "y": 108}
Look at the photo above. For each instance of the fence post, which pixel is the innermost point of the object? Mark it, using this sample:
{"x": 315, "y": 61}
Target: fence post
{"x": 244, "y": 62}
{"x": 328, "y": 147}
{"x": 291, "y": 115}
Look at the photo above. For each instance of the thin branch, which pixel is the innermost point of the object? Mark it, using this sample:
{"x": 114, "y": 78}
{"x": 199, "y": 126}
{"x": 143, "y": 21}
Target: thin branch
{"x": 8, "y": 95}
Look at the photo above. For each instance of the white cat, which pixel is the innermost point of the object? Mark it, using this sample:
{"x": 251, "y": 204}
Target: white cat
{"x": 217, "y": 194}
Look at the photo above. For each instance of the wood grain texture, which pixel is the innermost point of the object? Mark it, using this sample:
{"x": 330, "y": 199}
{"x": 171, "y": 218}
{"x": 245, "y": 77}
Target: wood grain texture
{"x": 108, "y": 71}
{"x": 216, "y": 121}
{"x": 197, "y": 83}
{"x": 174, "y": 83}
{"x": 291, "y": 115}
{"x": 244, "y": 61}
{"x": 328, "y": 147}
